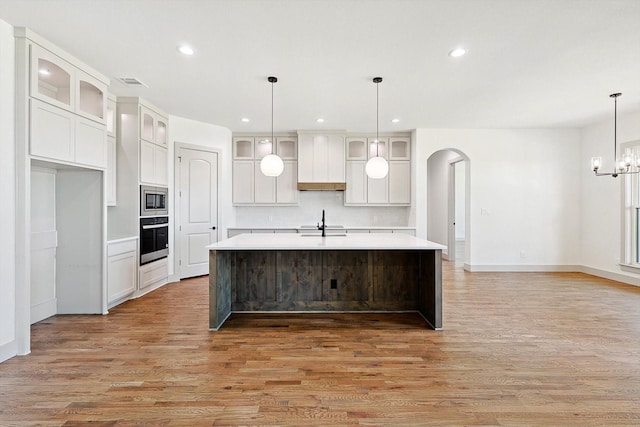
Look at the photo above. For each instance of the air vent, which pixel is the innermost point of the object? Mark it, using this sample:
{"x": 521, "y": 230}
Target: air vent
{"x": 131, "y": 81}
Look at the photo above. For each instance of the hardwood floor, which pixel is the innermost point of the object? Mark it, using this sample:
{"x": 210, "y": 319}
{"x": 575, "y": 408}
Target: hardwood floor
{"x": 518, "y": 349}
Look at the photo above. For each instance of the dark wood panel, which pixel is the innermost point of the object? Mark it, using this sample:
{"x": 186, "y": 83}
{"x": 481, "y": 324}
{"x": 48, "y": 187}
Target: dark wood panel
{"x": 430, "y": 294}
{"x": 350, "y": 270}
{"x": 255, "y": 276}
{"x": 220, "y": 285}
{"x": 299, "y": 275}
{"x": 395, "y": 275}
{"x": 324, "y": 306}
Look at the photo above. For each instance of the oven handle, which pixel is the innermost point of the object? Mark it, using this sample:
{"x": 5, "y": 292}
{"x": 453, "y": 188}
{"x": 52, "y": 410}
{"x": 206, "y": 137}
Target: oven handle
{"x": 149, "y": 227}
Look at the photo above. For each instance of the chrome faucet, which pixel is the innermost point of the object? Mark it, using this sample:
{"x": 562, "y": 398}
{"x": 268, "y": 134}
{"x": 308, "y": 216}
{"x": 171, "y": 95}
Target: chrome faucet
{"x": 322, "y": 227}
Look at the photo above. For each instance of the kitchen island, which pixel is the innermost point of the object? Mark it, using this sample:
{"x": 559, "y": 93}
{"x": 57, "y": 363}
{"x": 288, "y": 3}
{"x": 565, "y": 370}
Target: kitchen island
{"x": 310, "y": 273}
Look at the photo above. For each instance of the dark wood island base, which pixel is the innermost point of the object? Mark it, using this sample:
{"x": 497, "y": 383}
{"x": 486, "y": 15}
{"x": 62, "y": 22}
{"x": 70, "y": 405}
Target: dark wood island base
{"x": 343, "y": 280}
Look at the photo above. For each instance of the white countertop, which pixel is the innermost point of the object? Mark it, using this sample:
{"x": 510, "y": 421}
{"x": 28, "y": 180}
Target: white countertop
{"x": 370, "y": 241}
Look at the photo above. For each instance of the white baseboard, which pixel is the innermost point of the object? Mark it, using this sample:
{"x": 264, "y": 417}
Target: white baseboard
{"x": 618, "y": 277}
{"x": 44, "y": 310}
{"x": 523, "y": 268}
{"x": 8, "y": 350}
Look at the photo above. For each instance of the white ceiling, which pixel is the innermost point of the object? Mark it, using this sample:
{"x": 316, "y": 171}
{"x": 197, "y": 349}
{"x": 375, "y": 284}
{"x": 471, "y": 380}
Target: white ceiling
{"x": 531, "y": 63}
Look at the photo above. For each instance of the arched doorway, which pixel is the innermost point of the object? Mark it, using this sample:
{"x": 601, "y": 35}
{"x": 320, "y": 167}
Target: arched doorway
{"x": 448, "y": 199}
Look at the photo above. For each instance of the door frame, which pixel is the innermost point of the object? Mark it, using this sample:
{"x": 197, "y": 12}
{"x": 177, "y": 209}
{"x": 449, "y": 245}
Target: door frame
{"x": 177, "y": 247}
{"x": 451, "y": 207}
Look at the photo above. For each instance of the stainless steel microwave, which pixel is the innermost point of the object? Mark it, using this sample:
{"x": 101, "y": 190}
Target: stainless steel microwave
{"x": 153, "y": 201}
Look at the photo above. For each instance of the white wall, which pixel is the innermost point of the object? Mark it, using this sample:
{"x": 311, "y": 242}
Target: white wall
{"x": 8, "y": 346}
{"x": 601, "y": 199}
{"x": 528, "y": 188}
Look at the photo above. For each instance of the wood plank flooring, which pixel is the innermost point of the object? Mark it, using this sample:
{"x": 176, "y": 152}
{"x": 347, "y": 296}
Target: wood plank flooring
{"x": 518, "y": 349}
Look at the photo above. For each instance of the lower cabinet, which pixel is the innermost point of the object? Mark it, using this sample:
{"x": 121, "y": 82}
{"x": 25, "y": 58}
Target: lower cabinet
{"x": 154, "y": 274}
{"x": 122, "y": 269}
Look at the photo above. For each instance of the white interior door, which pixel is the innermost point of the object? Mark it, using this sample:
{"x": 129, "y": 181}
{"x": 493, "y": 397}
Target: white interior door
{"x": 197, "y": 192}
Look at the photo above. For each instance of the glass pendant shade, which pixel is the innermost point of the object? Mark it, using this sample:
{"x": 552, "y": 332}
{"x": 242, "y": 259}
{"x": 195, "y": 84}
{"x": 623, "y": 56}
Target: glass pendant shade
{"x": 271, "y": 165}
{"x": 377, "y": 167}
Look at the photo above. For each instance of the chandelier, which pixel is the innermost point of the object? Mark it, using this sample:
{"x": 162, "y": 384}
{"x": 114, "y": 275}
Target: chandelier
{"x": 628, "y": 162}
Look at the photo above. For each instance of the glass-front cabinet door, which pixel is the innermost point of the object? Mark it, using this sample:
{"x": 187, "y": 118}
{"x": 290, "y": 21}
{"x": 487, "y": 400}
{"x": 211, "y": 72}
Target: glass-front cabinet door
{"x": 147, "y": 125}
{"x": 378, "y": 148}
{"x": 91, "y": 99}
{"x": 161, "y": 131}
{"x": 51, "y": 79}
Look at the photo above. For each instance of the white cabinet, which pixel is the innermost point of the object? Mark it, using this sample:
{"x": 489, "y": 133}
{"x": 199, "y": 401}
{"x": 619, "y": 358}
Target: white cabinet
{"x": 58, "y": 134}
{"x": 321, "y": 157}
{"x": 110, "y": 116}
{"x": 392, "y": 190}
{"x": 154, "y": 274}
{"x": 57, "y": 82}
{"x": 153, "y": 126}
{"x": 153, "y": 164}
{"x": 67, "y": 111}
{"x": 243, "y": 182}
{"x": 250, "y": 186}
{"x": 122, "y": 269}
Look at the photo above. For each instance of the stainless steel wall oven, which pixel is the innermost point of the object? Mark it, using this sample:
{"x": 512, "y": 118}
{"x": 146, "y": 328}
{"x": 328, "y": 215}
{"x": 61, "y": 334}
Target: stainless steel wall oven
{"x": 154, "y": 238}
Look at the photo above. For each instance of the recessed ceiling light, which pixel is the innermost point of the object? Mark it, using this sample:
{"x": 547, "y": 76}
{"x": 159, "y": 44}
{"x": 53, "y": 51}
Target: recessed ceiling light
{"x": 186, "y": 50}
{"x": 457, "y": 52}
{"x": 395, "y": 120}
{"x": 245, "y": 120}
{"x": 320, "y": 120}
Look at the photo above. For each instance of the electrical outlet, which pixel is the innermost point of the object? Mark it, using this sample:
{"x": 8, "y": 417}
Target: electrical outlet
{"x": 334, "y": 283}
{"x": 270, "y": 218}
{"x": 523, "y": 254}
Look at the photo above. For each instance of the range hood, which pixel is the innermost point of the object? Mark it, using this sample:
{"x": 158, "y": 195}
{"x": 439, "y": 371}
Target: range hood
{"x": 322, "y": 186}
{"x": 321, "y": 160}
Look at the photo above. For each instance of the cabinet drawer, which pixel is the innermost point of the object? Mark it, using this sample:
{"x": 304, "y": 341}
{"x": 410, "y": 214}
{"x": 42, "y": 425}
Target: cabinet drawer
{"x": 154, "y": 273}
{"x": 121, "y": 247}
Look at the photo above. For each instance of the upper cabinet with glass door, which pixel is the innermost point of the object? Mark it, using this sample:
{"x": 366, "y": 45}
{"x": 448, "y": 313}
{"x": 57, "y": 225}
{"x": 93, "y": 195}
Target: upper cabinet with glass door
{"x": 153, "y": 126}
{"x": 58, "y": 82}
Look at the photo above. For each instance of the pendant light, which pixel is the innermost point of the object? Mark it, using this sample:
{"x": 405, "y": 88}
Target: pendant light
{"x": 628, "y": 163}
{"x": 272, "y": 164}
{"x": 377, "y": 167}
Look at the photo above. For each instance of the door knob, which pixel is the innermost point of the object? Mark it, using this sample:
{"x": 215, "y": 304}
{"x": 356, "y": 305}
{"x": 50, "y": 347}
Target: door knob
{"x": 213, "y": 228}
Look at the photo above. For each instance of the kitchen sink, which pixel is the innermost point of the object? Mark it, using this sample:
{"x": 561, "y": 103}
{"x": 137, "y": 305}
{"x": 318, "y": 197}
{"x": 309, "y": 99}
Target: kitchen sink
{"x": 318, "y": 234}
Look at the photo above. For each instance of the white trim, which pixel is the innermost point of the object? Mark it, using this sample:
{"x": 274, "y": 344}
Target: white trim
{"x": 618, "y": 277}
{"x": 8, "y": 350}
{"x": 44, "y": 310}
{"x": 523, "y": 268}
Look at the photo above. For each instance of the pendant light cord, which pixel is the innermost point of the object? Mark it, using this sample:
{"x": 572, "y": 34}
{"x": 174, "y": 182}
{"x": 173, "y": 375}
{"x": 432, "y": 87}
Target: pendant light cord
{"x": 272, "y": 138}
{"x": 377, "y": 120}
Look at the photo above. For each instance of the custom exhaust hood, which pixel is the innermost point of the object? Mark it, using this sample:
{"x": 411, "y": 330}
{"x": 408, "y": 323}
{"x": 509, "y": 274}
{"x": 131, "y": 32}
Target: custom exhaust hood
{"x": 321, "y": 160}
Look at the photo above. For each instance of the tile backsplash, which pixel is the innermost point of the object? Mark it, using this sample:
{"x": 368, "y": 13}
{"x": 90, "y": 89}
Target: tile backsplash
{"x": 309, "y": 212}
